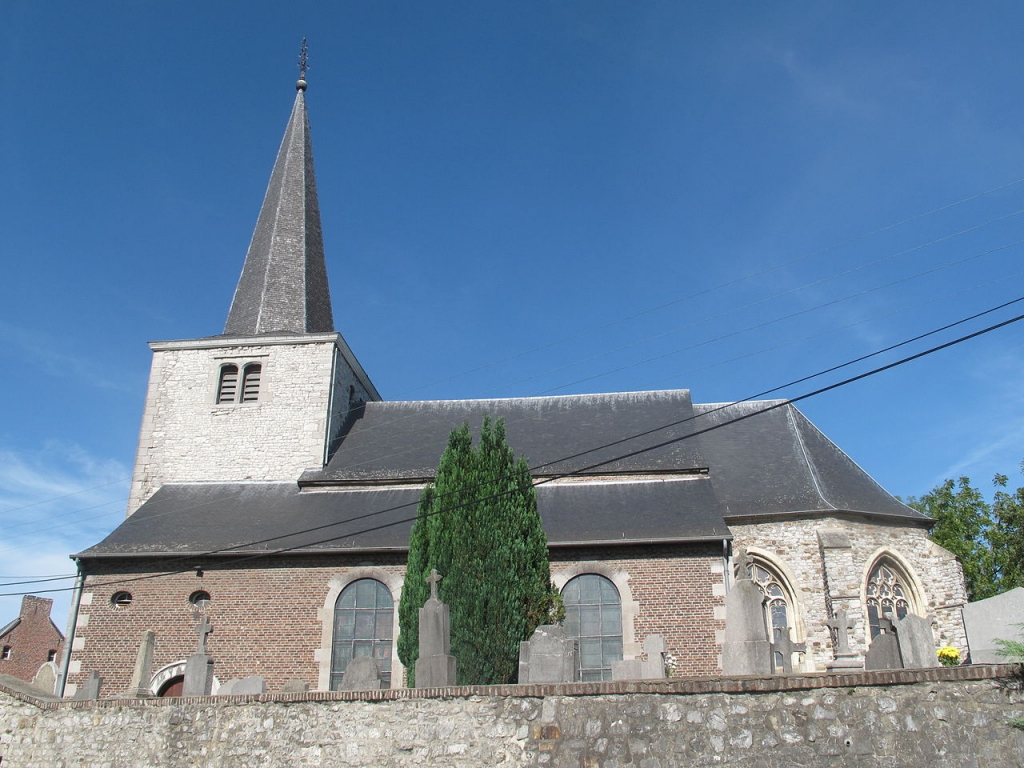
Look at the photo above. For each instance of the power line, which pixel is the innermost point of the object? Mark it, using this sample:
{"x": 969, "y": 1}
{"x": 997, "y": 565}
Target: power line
{"x": 773, "y": 406}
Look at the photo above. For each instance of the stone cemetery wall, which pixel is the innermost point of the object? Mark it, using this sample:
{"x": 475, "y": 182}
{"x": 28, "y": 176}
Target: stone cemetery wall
{"x": 939, "y": 718}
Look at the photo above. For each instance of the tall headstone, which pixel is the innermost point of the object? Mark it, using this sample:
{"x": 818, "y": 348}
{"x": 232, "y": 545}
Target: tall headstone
{"x": 90, "y": 690}
{"x": 884, "y": 652}
{"x": 636, "y": 669}
{"x": 199, "y": 666}
{"x": 46, "y": 677}
{"x": 549, "y": 656}
{"x": 998, "y": 617}
{"x": 138, "y": 688}
{"x": 846, "y": 660}
{"x": 746, "y": 649}
{"x": 917, "y": 643}
{"x": 363, "y": 674}
{"x": 435, "y": 667}
{"x": 783, "y": 649}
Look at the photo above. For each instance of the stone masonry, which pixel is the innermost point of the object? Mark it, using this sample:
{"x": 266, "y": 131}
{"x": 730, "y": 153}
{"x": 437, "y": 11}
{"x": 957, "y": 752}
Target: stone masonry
{"x": 942, "y": 718}
{"x": 187, "y": 437}
{"x": 837, "y": 553}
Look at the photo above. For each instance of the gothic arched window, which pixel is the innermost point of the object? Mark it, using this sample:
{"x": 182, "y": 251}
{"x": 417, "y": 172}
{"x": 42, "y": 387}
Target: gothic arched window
{"x": 227, "y": 385}
{"x": 887, "y": 593}
{"x": 593, "y": 614}
{"x": 363, "y": 626}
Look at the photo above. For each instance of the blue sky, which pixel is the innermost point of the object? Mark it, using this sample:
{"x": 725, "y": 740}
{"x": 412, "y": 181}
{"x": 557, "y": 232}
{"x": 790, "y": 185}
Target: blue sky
{"x": 518, "y": 199}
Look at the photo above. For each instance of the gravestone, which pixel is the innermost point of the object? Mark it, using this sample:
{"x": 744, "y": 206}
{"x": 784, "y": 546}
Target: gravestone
{"x": 549, "y": 656}
{"x": 846, "y": 660}
{"x": 884, "y": 652}
{"x": 46, "y": 677}
{"x": 635, "y": 669}
{"x": 917, "y": 643}
{"x": 435, "y": 667}
{"x": 199, "y": 666}
{"x": 242, "y": 685}
{"x": 994, "y": 618}
{"x": 139, "y": 688}
{"x": 363, "y": 674}
{"x": 295, "y": 686}
{"x": 784, "y": 647}
{"x": 746, "y": 649}
{"x": 90, "y": 690}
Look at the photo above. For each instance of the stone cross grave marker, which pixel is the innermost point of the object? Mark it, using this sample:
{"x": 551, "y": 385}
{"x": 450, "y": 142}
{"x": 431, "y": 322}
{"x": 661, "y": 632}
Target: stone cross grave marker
{"x": 199, "y": 666}
{"x": 846, "y": 660}
{"x": 435, "y": 667}
{"x": 635, "y": 669}
{"x": 785, "y": 648}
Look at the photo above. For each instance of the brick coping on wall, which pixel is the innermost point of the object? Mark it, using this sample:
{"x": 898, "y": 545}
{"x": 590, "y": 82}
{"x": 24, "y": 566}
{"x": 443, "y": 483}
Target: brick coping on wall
{"x": 675, "y": 687}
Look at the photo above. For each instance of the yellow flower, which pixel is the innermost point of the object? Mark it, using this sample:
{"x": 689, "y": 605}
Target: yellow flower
{"x": 949, "y": 656}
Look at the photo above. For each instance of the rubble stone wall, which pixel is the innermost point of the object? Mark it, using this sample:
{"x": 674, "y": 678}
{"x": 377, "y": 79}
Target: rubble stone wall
{"x": 943, "y": 718}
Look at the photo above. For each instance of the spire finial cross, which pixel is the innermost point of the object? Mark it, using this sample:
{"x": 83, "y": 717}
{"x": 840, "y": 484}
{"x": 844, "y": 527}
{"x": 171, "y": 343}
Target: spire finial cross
{"x": 303, "y": 59}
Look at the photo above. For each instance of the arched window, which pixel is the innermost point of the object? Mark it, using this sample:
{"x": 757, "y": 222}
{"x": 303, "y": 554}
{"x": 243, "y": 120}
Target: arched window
{"x": 251, "y": 382}
{"x": 363, "y": 626}
{"x": 593, "y": 614}
{"x": 887, "y": 593}
{"x": 227, "y": 387}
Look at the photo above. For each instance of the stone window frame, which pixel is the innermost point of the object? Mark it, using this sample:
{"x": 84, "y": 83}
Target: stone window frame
{"x": 631, "y": 648}
{"x": 915, "y": 594}
{"x": 241, "y": 363}
{"x": 790, "y": 586}
{"x": 322, "y": 655}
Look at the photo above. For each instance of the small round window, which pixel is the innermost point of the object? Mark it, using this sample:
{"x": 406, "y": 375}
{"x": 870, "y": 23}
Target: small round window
{"x": 121, "y": 599}
{"x": 200, "y": 598}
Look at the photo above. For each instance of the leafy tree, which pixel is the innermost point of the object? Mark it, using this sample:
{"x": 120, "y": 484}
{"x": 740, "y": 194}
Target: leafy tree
{"x": 988, "y": 538}
{"x": 478, "y": 526}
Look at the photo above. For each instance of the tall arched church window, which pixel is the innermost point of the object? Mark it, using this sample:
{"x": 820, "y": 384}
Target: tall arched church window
{"x": 887, "y": 593}
{"x": 593, "y": 613}
{"x": 363, "y": 626}
{"x": 778, "y": 602}
{"x": 227, "y": 386}
{"x": 251, "y": 382}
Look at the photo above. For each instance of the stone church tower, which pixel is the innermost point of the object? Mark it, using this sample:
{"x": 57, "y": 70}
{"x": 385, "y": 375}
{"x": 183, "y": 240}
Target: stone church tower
{"x": 267, "y": 398}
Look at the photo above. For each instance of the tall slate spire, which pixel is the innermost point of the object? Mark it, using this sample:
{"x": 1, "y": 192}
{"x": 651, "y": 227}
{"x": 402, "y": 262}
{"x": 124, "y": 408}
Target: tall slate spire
{"x": 283, "y": 287}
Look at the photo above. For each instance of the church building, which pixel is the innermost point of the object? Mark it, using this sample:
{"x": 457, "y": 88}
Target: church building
{"x": 274, "y": 489}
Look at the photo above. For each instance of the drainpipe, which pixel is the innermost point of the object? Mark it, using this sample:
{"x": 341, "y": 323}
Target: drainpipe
{"x": 69, "y": 638}
{"x": 726, "y": 571}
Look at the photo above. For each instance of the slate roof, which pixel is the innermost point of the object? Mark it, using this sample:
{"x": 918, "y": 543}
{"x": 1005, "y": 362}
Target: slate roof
{"x": 777, "y": 462}
{"x": 283, "y": 286}
{"x": 405, "y": 440}
{"x": 246, "y": 518}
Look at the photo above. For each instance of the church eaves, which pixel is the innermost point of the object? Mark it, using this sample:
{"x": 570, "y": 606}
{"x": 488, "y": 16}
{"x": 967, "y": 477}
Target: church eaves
{"x": 283, "y": 287}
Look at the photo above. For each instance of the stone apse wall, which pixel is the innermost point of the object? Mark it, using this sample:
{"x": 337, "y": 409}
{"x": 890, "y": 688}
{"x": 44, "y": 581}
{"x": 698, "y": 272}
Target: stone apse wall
{"x": 940, "y": 718}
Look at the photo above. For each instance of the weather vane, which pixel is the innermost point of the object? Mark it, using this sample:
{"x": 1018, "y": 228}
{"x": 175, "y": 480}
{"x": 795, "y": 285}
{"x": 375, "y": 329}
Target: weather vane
{"x": 303, "y": 66}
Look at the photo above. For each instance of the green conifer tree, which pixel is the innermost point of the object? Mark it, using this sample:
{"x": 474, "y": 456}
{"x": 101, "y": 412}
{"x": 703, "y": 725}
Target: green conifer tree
{"x": 478, "y": 527}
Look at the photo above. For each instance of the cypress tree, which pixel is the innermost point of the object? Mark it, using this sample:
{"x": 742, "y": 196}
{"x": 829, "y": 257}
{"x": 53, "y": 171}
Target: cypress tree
{"x": 478, "y": 526}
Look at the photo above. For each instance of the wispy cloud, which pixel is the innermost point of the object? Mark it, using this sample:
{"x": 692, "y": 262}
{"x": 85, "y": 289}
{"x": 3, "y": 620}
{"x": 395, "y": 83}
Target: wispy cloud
{"x": 54, "y": 501}
{"x": 51, "y": 356}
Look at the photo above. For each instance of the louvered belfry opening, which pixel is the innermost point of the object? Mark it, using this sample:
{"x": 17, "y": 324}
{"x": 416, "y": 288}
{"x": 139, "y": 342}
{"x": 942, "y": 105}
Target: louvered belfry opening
{"x": 251, "y": 383}
{"x": 227, "y": 389}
